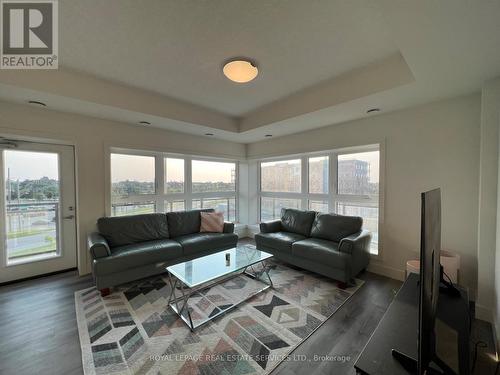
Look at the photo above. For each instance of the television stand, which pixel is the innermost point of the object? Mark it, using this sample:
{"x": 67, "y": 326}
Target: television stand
{"x": 398, "y": 330}
{"x": 410, "y": 364}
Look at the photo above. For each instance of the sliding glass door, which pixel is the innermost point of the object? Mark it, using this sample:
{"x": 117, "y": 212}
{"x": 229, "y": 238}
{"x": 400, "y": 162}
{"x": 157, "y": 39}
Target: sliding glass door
{"x": 37, "y": 220}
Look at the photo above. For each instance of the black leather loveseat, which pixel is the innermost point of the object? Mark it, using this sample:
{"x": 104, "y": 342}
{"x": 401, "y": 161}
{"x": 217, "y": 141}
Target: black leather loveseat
{"x": 329, "y": 244}
{"x": 133, "y": 247}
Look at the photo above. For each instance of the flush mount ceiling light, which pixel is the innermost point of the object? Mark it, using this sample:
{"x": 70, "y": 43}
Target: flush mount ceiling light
{"x": 240, "y": 70}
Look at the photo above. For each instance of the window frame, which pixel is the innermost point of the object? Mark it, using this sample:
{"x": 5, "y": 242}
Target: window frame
{"x": 304, "y": 196}
{"x": 361, "y": 199}
{"x": 161, "y": 197}
{"x": 278, "y": 160}
{"x": 212, "y": 194}
{"x": 164, "y": 185}
{"x": 332, "y": 197}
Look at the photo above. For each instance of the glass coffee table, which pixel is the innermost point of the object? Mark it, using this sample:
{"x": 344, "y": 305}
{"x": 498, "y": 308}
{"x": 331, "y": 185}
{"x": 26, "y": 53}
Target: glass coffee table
{"x": 205, "y": 272}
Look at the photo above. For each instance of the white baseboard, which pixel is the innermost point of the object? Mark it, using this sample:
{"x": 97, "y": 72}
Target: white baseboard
{"x": 241, "y": 230}
{"x": 381, "y": 269}
{"x": 252, "y": 230}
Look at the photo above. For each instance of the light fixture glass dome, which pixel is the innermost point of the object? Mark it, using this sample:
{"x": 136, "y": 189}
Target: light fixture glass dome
{"x": 240, "y": 71}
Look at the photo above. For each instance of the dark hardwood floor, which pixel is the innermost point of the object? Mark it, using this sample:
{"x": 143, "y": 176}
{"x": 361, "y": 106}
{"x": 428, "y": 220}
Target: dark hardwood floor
{"x": 344, "y": 335}
{"x": 38, "y": 331}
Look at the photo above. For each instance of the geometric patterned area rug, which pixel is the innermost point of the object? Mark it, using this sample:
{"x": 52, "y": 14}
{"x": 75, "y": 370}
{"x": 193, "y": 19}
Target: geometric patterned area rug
{"x": 133, "y": 331}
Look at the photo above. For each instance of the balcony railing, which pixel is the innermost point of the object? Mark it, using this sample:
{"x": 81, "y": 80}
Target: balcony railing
{"x": 31, "y": 229}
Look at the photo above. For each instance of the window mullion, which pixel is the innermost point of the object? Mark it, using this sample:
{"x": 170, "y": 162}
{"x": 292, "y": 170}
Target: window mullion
{"x": 333, "y": 185}
{"x": 305, "y": 182}
{"x": 159, "y": 182}
{"x": 188, "y": 184}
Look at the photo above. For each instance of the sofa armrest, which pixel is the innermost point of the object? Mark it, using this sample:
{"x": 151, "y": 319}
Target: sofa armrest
{"x": 355, "y": 243}
{"x": 98, "y": 246}
{"x": 270, "y": 226}
{"x": 228, "y": 227}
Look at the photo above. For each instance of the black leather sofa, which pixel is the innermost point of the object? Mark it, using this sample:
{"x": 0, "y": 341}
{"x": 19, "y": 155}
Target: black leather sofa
{"x": 133, "y": 247}
{"x": 331, "y": 245}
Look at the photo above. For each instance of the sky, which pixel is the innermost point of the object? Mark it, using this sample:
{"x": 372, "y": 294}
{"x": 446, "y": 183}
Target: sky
{"x": 28, "y": 165}
{"x": 142, "y": 168}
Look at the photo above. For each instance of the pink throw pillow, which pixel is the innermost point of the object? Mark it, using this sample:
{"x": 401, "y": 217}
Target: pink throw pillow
{"x": 212, "y": 222}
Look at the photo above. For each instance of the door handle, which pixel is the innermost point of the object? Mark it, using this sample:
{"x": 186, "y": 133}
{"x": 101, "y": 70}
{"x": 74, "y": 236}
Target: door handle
{"x": 70, "y": 217}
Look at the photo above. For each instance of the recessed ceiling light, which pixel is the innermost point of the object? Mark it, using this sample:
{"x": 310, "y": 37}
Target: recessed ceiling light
{"x": 209, "y": 134}
{"x": 36, "y": 102}
{"x": 240, "y": 70}
{"x": 373, "y": 110}
{"x": 144, "y": 123}
{"x": 269, "y": 135}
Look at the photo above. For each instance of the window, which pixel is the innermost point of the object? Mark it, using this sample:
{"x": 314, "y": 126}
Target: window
{"x": 180, "y": 183}
{"x": 270, "y": 208}
{"x": 174, "y": 175}
{"x": 132, "y": 175}
{"x": 281, "y": 176}
{"x": 211, "y": 176}
{"x": 318, "y": 175}
{"x": 369, "y": 213}
{"x": 282, "y": 183}
{"x": 358, "y": 189}
{"x": 358, "y": 173}
{"x": 132, "y": 184}
{"x": 225, "y": 205}
{"x": 346, "y": 183}
{"x": 174, "y": 206}
{"x": 123, "y": 209}
{"x": 320, "y": 206}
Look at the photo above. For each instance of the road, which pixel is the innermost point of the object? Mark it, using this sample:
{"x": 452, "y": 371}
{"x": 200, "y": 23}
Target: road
{"x": 28, "y": 242}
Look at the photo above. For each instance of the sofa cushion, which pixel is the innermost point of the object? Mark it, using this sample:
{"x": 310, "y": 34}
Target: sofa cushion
{"x": 125, "y": 230}
{"x": 281, "y": 241}
{"x": 200, "y": 242}
{"x": 184, "y": 222}
{"x": 138, "y": 254}
{"x": 335, "y": 227}
{"x": 212, "y": 222}
{"x": 297, "y": 221}
{"x": 320, "y": 251}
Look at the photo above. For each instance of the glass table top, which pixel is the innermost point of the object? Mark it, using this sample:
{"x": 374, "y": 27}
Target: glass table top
{"x": 210, "y": 267}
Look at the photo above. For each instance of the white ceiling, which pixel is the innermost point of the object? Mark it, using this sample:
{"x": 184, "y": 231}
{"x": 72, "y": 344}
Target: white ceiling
{"x": 321, "y": 62}
{"x": 177, "y": 48}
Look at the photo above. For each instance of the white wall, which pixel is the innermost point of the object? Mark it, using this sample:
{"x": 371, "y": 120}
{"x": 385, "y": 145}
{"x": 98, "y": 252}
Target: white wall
{"x": 489, "y": 249}
{"x": 436, "y": 145}
{"x": 91, "y": 138}
{"x": 487, "y": 222}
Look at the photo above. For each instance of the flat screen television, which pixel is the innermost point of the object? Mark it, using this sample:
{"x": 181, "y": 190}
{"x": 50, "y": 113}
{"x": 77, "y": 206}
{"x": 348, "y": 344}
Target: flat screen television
{"x": 430, "y": 276}
{"x": 429, "y": 282}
